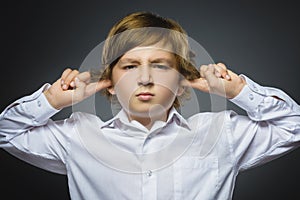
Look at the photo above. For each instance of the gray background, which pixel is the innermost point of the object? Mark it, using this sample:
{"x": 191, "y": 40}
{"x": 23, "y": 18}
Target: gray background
{"x": 256, "y": 38}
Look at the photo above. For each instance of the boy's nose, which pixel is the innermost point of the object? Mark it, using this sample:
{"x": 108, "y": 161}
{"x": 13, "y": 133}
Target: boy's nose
{"x": 145, "y": 77}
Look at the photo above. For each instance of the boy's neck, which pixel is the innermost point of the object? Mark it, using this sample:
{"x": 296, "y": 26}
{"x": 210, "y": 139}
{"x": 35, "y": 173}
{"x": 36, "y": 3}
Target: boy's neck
{"x": 149, "y": 121}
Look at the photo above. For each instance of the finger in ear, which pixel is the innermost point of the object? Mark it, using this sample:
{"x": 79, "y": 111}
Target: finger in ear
{"x": 111, "y": 90}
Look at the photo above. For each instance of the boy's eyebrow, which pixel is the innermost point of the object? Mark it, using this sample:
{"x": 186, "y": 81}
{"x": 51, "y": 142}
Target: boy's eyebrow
{"x": 137, "y": 61}
{"x": 162, "y": 60}
{"x": 129, "y": 60}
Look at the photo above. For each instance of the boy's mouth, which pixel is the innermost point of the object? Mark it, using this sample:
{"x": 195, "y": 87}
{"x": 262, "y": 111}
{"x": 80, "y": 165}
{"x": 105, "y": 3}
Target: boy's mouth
{"x": 144, "y": 96}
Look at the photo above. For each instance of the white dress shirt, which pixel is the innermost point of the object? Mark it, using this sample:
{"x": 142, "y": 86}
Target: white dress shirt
{"x": 194, "y": 158}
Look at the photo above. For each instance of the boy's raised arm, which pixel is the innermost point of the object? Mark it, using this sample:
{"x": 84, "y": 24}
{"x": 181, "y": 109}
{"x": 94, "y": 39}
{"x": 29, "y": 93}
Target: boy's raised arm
{"x": 27, "y": 132}
{"x": 35, "y": 110}
{"x": 270, "y": 129}
{"x": 26, "y": 129}
{"x": 272, "y": 126}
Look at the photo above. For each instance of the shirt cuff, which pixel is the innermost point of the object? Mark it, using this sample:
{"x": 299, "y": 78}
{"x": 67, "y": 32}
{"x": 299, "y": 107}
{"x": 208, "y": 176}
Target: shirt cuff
{"x": 251, "y": 96}
{"x": 39, "y": 107}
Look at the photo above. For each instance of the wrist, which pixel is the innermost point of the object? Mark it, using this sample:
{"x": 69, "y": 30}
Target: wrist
{"x": 51, "y": 99}
{"x": 242, "y": 83}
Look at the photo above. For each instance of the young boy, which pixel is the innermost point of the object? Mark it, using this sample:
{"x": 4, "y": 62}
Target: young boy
{"x": 148, "y": 150}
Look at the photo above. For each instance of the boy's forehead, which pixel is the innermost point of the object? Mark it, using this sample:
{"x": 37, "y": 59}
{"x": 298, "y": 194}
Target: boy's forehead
{"x": 160, "y": 46}
{"x": 158, "y": 50}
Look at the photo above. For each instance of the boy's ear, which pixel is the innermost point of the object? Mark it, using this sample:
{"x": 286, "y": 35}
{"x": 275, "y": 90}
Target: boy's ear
{"x": 180, "y": 90}
{"x": 111, "y": 90}
{"x": 182, "y": 86}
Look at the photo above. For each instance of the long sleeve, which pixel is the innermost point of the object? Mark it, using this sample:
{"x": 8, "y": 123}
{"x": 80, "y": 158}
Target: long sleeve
{"x": 271, "y": 128}
{"x": 27, "y": 132}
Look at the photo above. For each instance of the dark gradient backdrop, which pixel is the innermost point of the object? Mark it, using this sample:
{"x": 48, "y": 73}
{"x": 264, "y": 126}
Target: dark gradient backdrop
{"x": 40, "y": 39}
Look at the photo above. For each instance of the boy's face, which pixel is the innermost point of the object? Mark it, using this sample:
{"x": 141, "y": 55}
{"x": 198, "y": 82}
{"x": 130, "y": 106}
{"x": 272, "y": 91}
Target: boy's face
{"x": 146, "y": 81}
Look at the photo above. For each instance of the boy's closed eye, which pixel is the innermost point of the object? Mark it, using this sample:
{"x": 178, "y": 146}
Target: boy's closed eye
{"x": 161, "y": 66}
{"x": 157, "y": 66}
{"x": 129, "y": 67}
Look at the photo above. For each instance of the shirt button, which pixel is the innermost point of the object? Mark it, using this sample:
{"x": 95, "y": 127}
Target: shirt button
{"x": 255, "y": 88}
{"x": 251, "y": 97}
{"x": 149, "y": 173}
{"x": 39, "y": 103}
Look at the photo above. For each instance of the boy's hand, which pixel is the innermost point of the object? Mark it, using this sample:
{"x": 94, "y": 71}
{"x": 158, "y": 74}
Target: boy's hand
{"x": 216, "y": 79}
{"x": 72, "y": 88}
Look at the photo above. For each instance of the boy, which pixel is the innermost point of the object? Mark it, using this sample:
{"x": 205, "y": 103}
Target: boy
{"x": 148, "y": 150}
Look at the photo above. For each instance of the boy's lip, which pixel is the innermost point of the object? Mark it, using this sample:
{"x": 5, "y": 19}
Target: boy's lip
{"x": 144, "y": 96}
{"x": 145, "y": 93}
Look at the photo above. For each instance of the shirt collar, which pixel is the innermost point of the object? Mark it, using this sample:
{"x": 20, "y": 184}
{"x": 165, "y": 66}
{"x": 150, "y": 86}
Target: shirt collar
{"x": 123, "y": 118}
{"x": 179, "y": 119}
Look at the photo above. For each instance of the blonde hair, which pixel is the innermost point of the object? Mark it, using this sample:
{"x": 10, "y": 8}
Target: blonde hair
{"x": 144, "y": 29}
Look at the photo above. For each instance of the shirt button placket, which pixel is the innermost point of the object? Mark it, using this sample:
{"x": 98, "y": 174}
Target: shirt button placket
{"x": 149, "y": 185}
{"x": 39, "y": 103}
{"x": 149, "y": 173}
{"x": 251, "y": 97}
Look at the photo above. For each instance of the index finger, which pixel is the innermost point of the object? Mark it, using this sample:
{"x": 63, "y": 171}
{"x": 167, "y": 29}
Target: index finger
{"x": 65, "y": 73}
{"x": 84, "y": 76}
{"x": 97, "y": 86}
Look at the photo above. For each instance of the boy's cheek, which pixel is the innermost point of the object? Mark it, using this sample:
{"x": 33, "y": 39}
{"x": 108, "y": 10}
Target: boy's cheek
{"x": 125, "y": 86}
{"x": 170, "y": 82}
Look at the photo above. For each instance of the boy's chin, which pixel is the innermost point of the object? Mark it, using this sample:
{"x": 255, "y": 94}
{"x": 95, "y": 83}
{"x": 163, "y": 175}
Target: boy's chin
{"x": 155, "y": 111}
